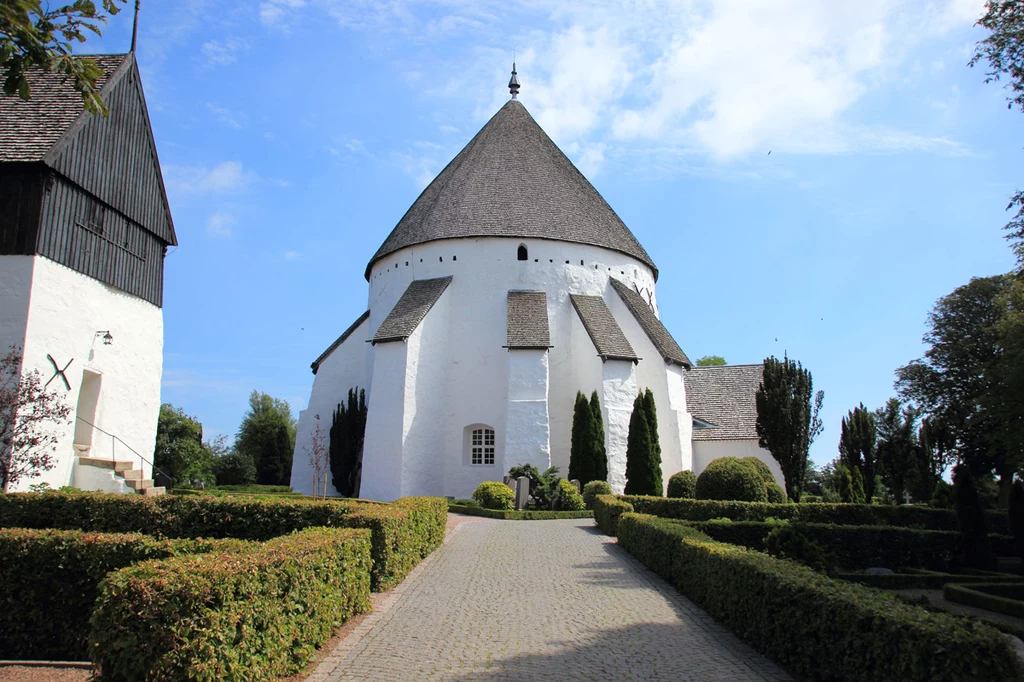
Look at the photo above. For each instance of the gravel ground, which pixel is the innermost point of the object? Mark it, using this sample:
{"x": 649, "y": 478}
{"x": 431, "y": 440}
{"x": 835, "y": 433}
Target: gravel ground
{"x": 34, "y": 673}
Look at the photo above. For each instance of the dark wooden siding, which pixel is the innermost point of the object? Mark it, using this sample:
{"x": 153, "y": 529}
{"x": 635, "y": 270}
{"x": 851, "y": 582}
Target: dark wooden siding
{"x": 114, "y": 159}
{"x": 80, "y": 232}
{"x": 21, "y": 196}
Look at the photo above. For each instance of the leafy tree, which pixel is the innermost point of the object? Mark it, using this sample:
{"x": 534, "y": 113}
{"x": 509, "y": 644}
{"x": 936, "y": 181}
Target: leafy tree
{"x": 815, "y": 479}
{"x": 600, "y": 471}
{"x": 842, "y": 482}
{"x": 933, "y": 458}
{"x": 1003, "y": 50}
{"x": 897, "y": 447}
{"x": 29, "y": 420}
{"x": 959, "y": 382}
{"x": 857, "y": 446}
{"x": 179, "y": 448}
{"x": 32, "y": 35}
{"x": 970, "y": 514}
{"x": 640, "y": 474}
{"x": 711, "y": 361}
{"x": 787, "y": 418}
{"x": 267, "y": 435}
{"x": 1016, "y": 515}
{"x": 582, "y": 440}
{"x": 858, "y": 495}
{"x": 347, "y": 434}
{"x": 231, "y": 467}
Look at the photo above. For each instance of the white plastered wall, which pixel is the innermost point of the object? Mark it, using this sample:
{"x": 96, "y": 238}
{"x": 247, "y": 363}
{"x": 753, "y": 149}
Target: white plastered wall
{"x": 527, "y": 434}
{"x": 461, "y": 364}
{"x": 344, "y": 368}
{"x": 66, "y": 310}
{"x": 706, "y": 450}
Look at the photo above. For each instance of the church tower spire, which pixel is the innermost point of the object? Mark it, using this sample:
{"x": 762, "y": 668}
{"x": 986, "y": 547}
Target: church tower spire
{"x": 513, "y": 83}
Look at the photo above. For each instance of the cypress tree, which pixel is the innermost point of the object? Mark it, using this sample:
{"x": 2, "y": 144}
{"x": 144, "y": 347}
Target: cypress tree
{"x": 345, "y": 452}
{"x": 582, "y": 434}
{"x": 651, "y": 413}
{"x": 856, "y": 486}
{"x": 600, "y": 470}
{"x": 857, "y": 446}
{"x": 639, "y": 476}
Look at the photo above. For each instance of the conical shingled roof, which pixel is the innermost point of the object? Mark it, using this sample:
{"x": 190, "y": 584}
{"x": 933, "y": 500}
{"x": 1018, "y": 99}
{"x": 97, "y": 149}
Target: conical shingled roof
{"x": 511, "y": 180}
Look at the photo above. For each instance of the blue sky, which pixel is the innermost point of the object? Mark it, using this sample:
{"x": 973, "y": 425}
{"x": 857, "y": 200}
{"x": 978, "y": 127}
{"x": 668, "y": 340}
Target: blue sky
{"x": 293, "y": 135}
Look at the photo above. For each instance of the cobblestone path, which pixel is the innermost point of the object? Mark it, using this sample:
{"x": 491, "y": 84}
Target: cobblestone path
{"x": 538, "y": 600}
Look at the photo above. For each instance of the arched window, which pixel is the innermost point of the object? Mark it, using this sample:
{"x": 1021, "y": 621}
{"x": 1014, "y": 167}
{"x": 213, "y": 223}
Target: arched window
{"x": 481, "y": 446}
{"x": 522, "y": 255}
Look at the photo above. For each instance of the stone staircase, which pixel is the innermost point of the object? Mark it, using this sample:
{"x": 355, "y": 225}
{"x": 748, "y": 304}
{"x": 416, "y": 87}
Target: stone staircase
{"x": 123, "y": 471}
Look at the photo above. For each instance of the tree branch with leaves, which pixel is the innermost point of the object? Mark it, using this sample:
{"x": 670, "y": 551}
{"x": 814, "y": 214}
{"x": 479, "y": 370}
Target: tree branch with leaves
{"x": 34, "y": 35}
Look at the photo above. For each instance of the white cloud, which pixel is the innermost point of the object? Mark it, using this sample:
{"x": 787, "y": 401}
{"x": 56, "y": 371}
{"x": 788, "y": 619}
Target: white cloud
{"x": 222, "y": 52}
{"x": 275, "y": 12}
{"x": 292, "y": 255}
{"x": 220, "y": 224}
{"x": 225, "y": 177}
{"x": 227, "y": 116}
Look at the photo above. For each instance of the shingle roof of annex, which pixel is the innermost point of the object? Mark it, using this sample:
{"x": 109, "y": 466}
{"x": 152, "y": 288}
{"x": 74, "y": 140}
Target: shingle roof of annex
{"x": 604, "y": 331}
{"x": 652, "y": 326}
{"x": 340, "y": 340}
{"x": 511, "y": 180}
{"x": 724, "y": 396}
{"x": 527, "y": 325}
{"x": 410, "y": 310}
{"x": 30, "y": 129}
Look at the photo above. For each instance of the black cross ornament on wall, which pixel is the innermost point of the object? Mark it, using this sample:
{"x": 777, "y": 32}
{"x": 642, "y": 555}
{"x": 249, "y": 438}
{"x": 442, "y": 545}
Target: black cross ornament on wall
{"x": 58, "y": 372}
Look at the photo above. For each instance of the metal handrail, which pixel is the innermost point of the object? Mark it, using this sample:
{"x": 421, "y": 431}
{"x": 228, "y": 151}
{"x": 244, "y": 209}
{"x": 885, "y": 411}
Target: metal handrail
{"x": 117, "y": 438}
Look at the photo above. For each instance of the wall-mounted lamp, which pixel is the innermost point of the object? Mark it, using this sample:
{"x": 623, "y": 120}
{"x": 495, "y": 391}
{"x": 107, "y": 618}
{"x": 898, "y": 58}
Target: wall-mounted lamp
{"x": 107, "y": 337}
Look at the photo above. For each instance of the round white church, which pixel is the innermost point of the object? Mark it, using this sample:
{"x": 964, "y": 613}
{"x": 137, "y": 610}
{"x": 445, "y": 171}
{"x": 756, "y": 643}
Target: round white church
{"x": 508, "y": 286}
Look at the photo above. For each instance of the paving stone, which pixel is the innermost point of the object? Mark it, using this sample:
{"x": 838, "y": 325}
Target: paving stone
{"x": 531, "y": 600}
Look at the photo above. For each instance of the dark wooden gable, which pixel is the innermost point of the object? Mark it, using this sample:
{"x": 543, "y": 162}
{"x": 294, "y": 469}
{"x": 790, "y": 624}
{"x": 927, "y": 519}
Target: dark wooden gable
{"x": 114, "y": 157}
{"x": 84, "y": 190}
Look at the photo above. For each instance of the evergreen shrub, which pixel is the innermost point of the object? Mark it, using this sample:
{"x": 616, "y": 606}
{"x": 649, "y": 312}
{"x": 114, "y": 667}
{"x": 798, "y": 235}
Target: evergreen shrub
{"x": 403, "y": 531}
{"x": 683, "y": 484}
{"x": 495, "y": 495}
{"x": 729, "y": 478}
{"x": 519, "y": 515}
{"x": 819, "y": 628}
{"x": 607, "y": 510}
{"x": 569, "y": 498}
{"x": 760, "y": 467}
{"x": 254, "y": 615}
{"x": 775, "y": 494}
{"x": 49, "y": 580}
{"x": 592, "y": 490}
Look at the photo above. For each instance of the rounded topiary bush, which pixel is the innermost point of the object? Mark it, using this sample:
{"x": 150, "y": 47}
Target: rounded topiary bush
{"x": 683, "y": 484}
{"x": 776, "y": 495}
{"x": 761, "y": 468}
{"x": 495, "y": 495}
{"x": 592, "y": 490}
{"x": 729, "y": 478}
{"x": 569, "y": 499}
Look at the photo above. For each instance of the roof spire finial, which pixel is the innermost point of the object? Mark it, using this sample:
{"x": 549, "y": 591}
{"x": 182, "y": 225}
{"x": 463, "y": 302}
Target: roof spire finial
{"x": 135, "y": 26}
{"x": 513, "y": 82}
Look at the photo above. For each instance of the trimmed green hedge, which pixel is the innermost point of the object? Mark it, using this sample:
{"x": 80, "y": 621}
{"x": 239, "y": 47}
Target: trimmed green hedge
{"x": 853, "y": 546}
{"x": 524, "y": 515}
{"x": 592, "y": 490}
{"x": 253, "y": 615}
{"x": 820, "y": 628}
{"x": 1001, "y": 597}
{"x": 404, "y": 531}
{"x": 49, "y": 580}
{"x": 907, "y": 516}
{"x": 922, "y": 580}
{"x": 607, "y": 510}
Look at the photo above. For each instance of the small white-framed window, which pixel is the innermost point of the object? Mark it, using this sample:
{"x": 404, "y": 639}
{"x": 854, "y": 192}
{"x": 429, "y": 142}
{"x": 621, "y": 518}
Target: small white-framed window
{"x": 481, "y": 450}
